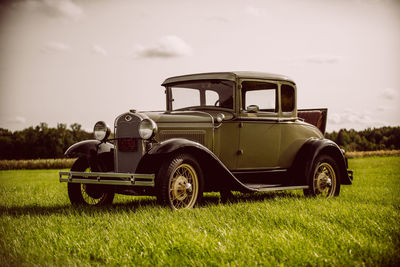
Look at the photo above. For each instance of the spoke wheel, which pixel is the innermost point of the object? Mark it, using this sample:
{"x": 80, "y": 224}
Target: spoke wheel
{"x": 180, "y": 182}
{"x": 183, "y": 187}
{"x": 88, "y": 194}
{"x": 325, "y": 178}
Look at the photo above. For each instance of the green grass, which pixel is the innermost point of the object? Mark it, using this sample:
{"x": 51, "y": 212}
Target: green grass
{"x": 37, "y": 164}
{"x": 360, "y": 227}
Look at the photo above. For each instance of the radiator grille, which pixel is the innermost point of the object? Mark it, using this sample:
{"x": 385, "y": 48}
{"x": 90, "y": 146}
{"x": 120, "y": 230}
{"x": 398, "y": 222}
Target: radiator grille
{"x": 196, "y": 136}
{"x": 129, "y": 149}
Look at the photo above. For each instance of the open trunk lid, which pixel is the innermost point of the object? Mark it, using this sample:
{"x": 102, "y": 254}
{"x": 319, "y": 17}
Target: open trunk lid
{"x": 315, "y": 116}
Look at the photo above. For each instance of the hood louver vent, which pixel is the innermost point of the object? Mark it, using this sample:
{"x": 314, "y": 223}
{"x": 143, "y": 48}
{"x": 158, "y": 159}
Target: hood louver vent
{"x": 196, "y": 136}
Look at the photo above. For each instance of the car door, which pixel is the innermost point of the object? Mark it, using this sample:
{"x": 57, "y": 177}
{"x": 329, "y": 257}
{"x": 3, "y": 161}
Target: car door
{"x": 259, "y": 129}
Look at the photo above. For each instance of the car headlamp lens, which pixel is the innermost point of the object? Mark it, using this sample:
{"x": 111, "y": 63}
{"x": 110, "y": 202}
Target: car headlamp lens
{"x": 101, "y": 130}
{"x": 147, "y": 128}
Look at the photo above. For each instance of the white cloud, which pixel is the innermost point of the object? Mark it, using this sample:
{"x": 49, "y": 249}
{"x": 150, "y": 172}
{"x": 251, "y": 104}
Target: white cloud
{"x": 322, "y": 59}
{"x": 335, "y": 119}
{"x": 381, "y": 108}
{"x": 219, "y": 19}
{"x": 97, "y": 49}
{"x": 386, "y": 108}
{"x": 16, "y": 120}
{"x": 313, "y": 59}
{"x": 167, "y": 46}
{"x": 56, "y": 47}
{"x": 354, "y": 119}
{"x": 253, "y": 11}
{"x": 389, "y": 93}
{"x": 55, "y": 8}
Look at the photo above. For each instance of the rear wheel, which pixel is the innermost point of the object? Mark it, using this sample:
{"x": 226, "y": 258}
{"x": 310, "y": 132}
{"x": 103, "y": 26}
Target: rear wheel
{"x": 180, "y": 182}
{"x": 324, "y": 180}
{"x": 87, "y": 194}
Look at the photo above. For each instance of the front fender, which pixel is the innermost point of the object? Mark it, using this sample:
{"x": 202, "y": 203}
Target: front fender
{"x": 216, "y": 174}
{"x": 308, "y": 153}
{"x": 100, "y": 155}
{"x": 174, "y": 144}
{"x": 88, "y": 148}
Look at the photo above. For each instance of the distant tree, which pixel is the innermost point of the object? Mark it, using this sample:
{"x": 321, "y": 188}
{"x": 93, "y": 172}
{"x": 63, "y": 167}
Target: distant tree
{"x": 40, "y": 141}
{"x": 6, "y": 142}
{"x": 343, "y": 138}
{"x": 385, "y": 138}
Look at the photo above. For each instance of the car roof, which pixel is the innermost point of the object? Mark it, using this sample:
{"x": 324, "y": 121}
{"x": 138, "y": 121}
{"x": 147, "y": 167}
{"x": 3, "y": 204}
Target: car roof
{"x": 231, "y": 76}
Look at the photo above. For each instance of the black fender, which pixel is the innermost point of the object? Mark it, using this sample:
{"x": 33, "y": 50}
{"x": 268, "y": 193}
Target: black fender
{"x": 302, "y": 165}
{"x": 100, "y": 155}
{"x": 216, "y": 175}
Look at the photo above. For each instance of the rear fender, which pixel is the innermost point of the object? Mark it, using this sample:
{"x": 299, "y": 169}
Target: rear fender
{"x": 308, "y": 153}
{"x": 100, "y": 155}
{"x": 216, "y": 174}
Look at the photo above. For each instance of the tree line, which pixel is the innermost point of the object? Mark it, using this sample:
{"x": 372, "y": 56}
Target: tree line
{"x": 384, "y": 138}
{"x": 43, "y": 142}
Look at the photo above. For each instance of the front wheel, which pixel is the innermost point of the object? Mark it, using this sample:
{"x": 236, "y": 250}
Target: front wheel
{"x": 324, "y": 178}
{"x": 180, "y": 182}
{"x": 88, "y": 194}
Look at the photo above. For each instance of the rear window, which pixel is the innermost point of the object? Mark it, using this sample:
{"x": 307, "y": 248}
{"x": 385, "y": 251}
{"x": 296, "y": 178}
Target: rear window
{"x": 287, "y": 98}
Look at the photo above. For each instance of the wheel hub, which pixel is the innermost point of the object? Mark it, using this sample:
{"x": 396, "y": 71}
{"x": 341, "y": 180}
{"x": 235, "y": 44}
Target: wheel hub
{"x": 322, "y": 182}
{"x": 180, "y": 188}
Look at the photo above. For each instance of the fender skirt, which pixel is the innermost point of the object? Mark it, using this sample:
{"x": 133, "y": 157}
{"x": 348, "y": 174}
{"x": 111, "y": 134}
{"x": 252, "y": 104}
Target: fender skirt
{"x": 100, "y": 155}
{"x": 302, "y": 165}
{"x": 217, "y": 177}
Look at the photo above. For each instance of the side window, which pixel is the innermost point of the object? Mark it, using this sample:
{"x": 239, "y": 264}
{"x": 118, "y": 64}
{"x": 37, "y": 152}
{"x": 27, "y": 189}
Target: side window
{"x": 287, "y": 98}
{"x": 185, "y": 97}
{"x": 260, "y": 94}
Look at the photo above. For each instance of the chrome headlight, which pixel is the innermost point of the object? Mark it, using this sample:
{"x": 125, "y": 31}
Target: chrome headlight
{"x": 147, "y": 128}
{"x": 101, "y": 131}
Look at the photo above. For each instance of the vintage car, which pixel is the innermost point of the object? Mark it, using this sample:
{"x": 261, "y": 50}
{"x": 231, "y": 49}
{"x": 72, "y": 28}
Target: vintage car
{"x": 221, "y": 132}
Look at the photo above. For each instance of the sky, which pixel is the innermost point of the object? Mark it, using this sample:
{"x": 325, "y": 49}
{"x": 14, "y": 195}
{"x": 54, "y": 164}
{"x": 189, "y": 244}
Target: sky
{"x": 67, "y": 61}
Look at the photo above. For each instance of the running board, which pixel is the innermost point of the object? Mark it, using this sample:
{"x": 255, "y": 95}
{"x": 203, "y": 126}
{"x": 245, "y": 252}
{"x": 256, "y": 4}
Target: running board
{"x": 268, "y": 188}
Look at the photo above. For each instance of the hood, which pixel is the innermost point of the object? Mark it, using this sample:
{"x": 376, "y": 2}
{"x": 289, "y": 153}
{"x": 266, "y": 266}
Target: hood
{"x": 180, "y": 117}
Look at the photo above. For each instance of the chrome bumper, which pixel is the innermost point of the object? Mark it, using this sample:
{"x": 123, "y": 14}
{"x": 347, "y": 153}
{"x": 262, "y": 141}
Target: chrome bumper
{"x": 108, "y": 178}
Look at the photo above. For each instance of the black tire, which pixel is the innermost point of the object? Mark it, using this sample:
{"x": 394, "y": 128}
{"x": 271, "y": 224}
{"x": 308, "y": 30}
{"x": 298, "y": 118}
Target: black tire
{"x": 88, "y": 194}
{"x": 180, "y": 182}
{"x": 324, "y": 179}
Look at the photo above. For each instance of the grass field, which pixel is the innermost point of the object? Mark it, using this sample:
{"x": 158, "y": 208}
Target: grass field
{"x": 359, "y": 228}
{"x": 66, "y": 163}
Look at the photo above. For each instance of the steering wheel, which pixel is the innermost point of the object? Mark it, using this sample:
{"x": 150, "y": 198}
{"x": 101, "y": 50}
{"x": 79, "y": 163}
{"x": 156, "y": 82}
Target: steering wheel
{"x": 216, "y": 104}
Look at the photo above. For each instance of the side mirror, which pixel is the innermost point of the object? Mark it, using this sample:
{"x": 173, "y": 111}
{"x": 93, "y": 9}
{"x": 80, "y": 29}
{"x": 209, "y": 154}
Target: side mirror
{"x": 253, "y": 109}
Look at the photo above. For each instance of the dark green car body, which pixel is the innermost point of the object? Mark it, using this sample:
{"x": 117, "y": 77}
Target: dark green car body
{"x": 231, "y": 131}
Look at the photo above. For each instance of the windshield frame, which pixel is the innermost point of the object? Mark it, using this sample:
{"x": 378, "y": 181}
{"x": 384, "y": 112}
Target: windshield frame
{"x": 202, "y": 106}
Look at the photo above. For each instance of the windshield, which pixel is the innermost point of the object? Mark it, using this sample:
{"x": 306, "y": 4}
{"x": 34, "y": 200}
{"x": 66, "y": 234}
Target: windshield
{"x": 194, "y": 94}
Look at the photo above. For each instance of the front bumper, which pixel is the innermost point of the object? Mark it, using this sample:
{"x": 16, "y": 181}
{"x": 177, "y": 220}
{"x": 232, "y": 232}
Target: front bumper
{"x": 108, "y": 178}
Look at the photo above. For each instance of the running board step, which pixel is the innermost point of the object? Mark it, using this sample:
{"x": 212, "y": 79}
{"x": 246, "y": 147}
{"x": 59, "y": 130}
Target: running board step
{"x": 267, "y": 187}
